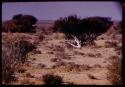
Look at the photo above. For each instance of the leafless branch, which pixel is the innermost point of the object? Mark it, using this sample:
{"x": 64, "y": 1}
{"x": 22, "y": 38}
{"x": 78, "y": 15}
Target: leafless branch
{"x": 77, "y": 41}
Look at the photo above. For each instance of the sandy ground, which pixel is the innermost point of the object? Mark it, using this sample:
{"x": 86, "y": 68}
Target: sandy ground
{"x": 73, "y": 65}
{"x": 84, "y": 66}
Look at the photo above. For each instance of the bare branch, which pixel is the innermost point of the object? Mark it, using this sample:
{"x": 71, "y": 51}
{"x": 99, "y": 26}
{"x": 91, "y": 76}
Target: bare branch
{"x": 78, "y": 43}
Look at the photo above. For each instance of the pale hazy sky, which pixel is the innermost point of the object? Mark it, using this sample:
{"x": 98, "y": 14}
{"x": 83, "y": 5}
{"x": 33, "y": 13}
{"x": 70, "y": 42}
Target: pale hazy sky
{"x": 55, "y": 10}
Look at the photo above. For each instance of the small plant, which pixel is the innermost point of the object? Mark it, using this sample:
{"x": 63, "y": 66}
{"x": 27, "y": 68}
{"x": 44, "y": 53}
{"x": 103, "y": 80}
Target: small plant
{"x": 60, "y": 63}
{"x": 98, "y": 55}
{"x": 27, "y": 82}
{"x": 97, "y": 66}
{"x": 24, "y": 48}
{"x": 29, "y": 75}
{"x": 87, "y": 67}
{"x": 21, "y": 70}
{"x": 51, "y": 79}
{"x": 40, "y": 65}
{"x": 111, "y": 44}
{"x": 113, "y": 58}
{"x": 41, "y": 37}
{"x": 70, "y": 84}
{"x": 79, "y": 53}
{"x": 91, "y": 76}
{"x": 55, "y": 60}
{"x": 58, "y": 49}
{"x": 91, "y": 55}
{"x": 118, "y": 50}
{"x": 69, "y": 46}
{"x": 36, "y": 52}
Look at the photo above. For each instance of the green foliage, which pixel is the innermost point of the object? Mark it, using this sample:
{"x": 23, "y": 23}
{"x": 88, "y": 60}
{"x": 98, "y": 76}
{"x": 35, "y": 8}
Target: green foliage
{"x": 68, "y": 25}
{"x": 84, "y": 29}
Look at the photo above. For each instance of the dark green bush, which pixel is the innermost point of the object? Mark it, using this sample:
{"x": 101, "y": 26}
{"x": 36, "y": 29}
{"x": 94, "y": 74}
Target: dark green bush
{"x": 84, "y": 29}
{"x": 68, "y": 25}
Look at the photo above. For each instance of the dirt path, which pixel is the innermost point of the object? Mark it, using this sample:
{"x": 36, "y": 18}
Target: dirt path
{"x": 85, "y": 66}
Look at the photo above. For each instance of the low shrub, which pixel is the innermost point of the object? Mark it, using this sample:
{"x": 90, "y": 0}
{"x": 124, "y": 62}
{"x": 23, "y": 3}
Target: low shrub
{"x": 24, "y": 47}
{"x": 9, "y": 64}
{"x": 91, "y": 55}
{"x": 14, "y": 53}
{"x": 55, "y": 60}
{"x": 20, "y": 23}
{"x": 51, "y": 79}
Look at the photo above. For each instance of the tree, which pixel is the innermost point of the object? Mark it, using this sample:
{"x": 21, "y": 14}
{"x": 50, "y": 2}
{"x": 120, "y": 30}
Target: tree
{"x": 23, "y": 23}
{"x": 82, "y": 30}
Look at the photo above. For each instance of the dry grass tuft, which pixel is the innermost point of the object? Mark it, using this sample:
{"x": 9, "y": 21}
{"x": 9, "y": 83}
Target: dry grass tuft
{"x": 115, "y": 71}
{"x": 91, "y": 55}
{"x": 55, "y": 60}
{"x": 91, "y": 76}
{"x": 111, "y": 44}
{"x": 9, "y": 64}
{"x": 21, "y": 70}
{"x": 14, "y": 54}
{"x": 29, "y": 75}
{"x": 60, "y": 53}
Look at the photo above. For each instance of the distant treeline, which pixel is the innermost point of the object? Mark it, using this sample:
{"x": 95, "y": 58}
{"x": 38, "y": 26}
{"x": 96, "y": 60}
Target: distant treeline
{"x": 68, "y": 25}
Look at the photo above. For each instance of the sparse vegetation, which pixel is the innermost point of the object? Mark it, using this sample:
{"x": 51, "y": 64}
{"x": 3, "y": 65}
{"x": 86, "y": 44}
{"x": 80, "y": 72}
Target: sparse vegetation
{"x": 36, "y": 52}
{"x": 14, "y": 52}
{"x": 41, "y": 37}
{"x": 21, "y": 70}
{"x": 63, "y": 58}
{"x": 111, "y": 44}
{"x": 91, "y": 55}
{"x": 25, "y": 47}
{"x": 40, "y": 65}
{"x": 98, "y": 55}
{"x": 115, "y": 71}
{"x": 91, "y": 76}
{"x": 55, "y": 60}
{"x": 29, "y": 75}
{"x": 9, "y": 65}
{"x": 97, "y": 66}
{"x": 118, "y": 50}
{"x": 60, "y": 53}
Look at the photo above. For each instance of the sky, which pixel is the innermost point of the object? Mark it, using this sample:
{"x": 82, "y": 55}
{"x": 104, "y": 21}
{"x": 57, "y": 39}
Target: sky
{"x": 55, "y": 10}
